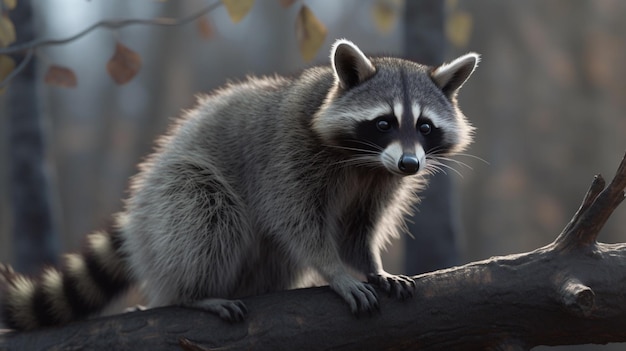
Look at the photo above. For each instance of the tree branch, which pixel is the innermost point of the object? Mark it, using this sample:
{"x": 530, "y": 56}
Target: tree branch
{"x": 568, "y": 292}
{"x": 30, "y": 46}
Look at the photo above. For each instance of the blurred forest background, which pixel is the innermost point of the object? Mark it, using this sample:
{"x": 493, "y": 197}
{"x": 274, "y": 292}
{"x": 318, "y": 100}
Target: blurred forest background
{"x": 548, "y": 101}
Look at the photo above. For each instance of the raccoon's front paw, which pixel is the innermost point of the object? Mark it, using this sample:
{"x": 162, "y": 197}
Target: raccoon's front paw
{"x": 227, "y": 310}
{"x": 400, "y": 286}
{"x": 361, "y": 297}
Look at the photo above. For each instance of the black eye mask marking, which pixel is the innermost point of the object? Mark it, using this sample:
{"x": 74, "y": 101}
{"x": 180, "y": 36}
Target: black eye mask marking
{"x": 377, "y": 134}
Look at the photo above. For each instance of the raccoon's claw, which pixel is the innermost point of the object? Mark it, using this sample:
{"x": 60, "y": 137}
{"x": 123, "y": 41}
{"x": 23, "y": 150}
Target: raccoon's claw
{"x": 228, "y": 310}
{"x": 135, "y": 308}
{"x": 361, "y": 297}
{"x": 400, "y": 286}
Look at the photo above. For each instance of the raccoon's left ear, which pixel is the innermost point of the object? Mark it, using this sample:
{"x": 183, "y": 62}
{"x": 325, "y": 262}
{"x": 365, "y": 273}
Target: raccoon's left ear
{"x": 350, "y": 64}
{"x": 451, "y": 76}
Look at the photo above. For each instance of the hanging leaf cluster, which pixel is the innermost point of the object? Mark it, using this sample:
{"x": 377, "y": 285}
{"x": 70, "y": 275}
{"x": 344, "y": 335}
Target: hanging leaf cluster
{"x": 125, "y": 63}
{"x": 310, "y": 31}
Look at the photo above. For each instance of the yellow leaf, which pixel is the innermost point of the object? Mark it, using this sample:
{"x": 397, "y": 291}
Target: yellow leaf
{"x": 124, "y": 64}
{"x": 459, "y": 28}
{"x": 238, "y": 9}
{"x": 7, "y": 65}
{"x": 310, "y": 33}
{"x": 385, "y": 13}
{"x": 451, "y": 4}
{"x": 60, "y": 76}
{"x": 10, "y": 4}
{"x": 7, "y": 31}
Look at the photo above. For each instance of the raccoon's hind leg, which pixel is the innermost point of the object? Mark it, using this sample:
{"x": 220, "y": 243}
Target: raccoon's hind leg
{"x": 191, "y": 236}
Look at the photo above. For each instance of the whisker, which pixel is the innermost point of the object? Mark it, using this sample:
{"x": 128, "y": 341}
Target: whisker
{"x": 434, "y": 169}
{"x": 364, "y": 160}
{"x": 443, "y": 166}
{"x": 369, "y": 143}
{"x": 358, "y": 150}
{"x": 460, "y": 163}
{"x": 474, "y": 157}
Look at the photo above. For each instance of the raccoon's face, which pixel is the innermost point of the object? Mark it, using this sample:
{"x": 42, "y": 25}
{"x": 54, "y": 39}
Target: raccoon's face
{"x": 394, "y": 113}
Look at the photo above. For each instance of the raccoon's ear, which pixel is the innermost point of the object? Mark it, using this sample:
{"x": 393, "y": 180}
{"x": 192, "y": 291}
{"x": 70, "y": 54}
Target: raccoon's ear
{"x": 451, "y": 76}
{"x": 350, "y": 64}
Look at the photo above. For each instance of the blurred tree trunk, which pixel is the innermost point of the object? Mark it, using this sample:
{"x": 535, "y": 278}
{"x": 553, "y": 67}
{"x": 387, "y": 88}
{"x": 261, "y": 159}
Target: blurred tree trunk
{"x": 436, "y": 221}
{"x": 34, "y": 239}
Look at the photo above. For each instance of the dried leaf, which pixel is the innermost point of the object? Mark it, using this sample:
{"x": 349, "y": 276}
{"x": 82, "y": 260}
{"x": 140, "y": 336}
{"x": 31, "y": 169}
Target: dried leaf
{"x": 7, "y": 31}
{"x": 385, "y": 14}
{"x": 60, "y": 76}
{"x": 7, "y": 65}
{"x": 124, "y": 64}
{"x": 459, "y": 28}
{"x": 237, "y": 9}
{"x": 10, "y": 4}
{"x": 310, "y": 33}
{"x": 287, "y": 3}
{"x": 205, "y": 28}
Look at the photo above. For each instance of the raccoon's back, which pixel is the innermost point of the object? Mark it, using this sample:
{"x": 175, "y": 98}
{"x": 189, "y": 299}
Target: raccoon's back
{"x": 228, "y": 126}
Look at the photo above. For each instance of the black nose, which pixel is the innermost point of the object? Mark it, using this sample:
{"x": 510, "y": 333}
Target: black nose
{"x": 408, "y": 164}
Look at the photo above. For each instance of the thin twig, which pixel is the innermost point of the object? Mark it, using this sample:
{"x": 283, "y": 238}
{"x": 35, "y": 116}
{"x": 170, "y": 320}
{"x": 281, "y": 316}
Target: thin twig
{"x": 18, "y": 69}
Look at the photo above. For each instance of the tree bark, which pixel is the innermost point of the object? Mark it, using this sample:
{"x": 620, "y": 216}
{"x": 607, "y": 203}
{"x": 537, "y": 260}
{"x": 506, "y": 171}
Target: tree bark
{"x": 568, "y": 292}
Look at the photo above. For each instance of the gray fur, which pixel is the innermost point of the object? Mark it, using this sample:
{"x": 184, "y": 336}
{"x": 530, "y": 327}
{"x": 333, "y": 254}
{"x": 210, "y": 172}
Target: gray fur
{"x": 249, "y": 192}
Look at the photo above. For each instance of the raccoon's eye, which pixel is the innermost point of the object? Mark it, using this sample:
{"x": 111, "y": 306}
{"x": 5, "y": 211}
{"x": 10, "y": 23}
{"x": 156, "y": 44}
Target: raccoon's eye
{"x": 383, "y": 125}
{"x": 425, "y": 128}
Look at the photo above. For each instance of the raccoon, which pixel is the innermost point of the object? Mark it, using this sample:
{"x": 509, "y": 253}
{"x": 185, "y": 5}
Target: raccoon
{"x": 263, "y": 184}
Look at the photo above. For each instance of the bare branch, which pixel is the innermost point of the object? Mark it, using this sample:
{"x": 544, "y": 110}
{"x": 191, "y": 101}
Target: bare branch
{"x": 30, "y": 46}
{"x": 110, "y": 24}
{"x": 597, "y": 207}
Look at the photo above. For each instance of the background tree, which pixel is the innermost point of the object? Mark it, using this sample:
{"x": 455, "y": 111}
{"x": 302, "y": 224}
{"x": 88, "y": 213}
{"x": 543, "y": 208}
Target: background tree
{"x": 435, "y": 224}
{"x": 33, "y": 231}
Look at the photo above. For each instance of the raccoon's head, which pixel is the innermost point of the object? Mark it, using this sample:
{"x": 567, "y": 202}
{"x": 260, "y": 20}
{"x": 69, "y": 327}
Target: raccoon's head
{"x": 394, "y": 113}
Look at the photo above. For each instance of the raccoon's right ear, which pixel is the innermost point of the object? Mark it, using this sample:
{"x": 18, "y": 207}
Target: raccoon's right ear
{"x": 350, "y": 64}
{"x": 451, "y": 76}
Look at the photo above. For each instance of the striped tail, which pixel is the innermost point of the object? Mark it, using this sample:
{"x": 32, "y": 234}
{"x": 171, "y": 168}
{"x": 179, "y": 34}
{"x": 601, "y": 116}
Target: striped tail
{"x": 84, "y": 285}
